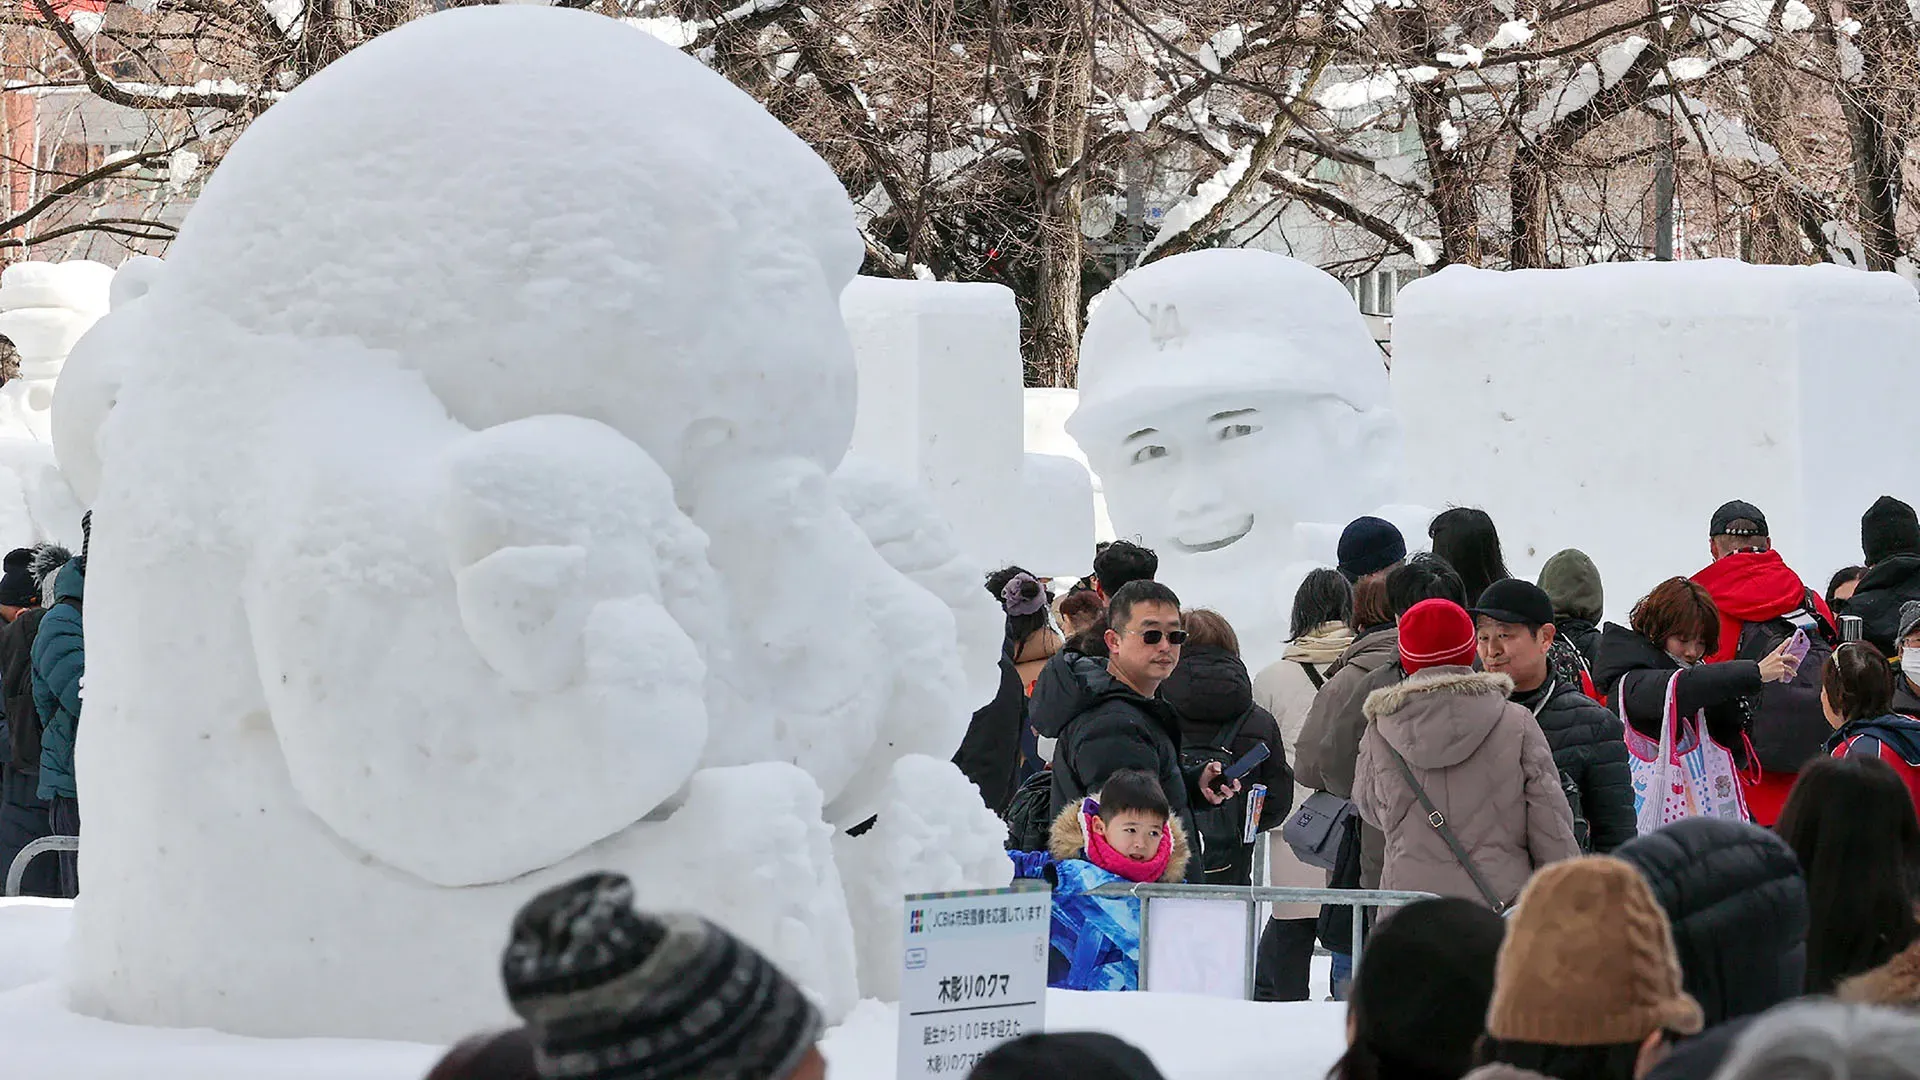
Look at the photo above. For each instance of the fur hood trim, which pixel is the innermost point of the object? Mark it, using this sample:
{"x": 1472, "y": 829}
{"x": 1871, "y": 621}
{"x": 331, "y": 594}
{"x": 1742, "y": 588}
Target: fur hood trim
{"x": 1441, "y": 680}
{"x": 1895, "y": 983}
{"x": 1066, "y": 841}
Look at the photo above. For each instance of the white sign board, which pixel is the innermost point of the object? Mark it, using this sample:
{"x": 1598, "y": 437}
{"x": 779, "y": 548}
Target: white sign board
{"x": 975, "y": 976}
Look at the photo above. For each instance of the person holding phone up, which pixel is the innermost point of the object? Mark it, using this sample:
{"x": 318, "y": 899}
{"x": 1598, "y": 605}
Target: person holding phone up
{"x": 1110, "y": 718}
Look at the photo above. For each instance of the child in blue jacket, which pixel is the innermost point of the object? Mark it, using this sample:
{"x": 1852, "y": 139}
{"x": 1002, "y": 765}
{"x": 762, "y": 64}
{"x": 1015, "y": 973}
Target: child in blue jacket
{"x": 1126, "y": 833}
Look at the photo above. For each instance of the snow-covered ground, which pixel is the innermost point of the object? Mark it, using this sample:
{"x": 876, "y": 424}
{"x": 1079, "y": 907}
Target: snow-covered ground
{"x": 1191, "y": 1038}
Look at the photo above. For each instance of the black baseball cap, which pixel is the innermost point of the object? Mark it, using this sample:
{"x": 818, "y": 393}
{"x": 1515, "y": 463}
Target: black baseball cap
{"x": 1514, "y": 600}
{"x": 1738, "y": 518}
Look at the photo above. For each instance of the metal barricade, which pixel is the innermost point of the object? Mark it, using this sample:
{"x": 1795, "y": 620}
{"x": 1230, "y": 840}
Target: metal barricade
{"x": 1253, "y": 896}
{"x": 42, "y": 846}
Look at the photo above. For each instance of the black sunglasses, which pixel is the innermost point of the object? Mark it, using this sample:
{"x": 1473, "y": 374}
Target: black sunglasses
{"x": 1152, "y": 637}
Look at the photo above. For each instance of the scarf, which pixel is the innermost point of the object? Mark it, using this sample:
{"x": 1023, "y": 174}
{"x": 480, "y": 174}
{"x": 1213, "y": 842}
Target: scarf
{"x": 1103, "y": 855}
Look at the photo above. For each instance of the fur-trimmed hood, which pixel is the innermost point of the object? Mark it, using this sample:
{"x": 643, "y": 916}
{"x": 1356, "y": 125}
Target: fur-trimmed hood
{"x": 1895, "y": 984}
{"x": 1436, "y": 718}
{"x": 1067, "y": 841}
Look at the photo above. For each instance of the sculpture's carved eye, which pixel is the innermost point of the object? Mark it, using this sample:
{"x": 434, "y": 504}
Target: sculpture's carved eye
{"x": 1236, "y": 431}
{"x": 1149, "y": 453}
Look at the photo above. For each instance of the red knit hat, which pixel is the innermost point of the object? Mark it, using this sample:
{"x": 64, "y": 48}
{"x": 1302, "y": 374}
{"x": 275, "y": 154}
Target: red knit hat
{"x": 1437, "y": 633}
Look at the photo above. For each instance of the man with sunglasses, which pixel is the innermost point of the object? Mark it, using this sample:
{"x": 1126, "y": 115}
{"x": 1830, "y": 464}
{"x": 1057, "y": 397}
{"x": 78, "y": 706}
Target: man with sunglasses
{"x": 1113, "y": 718}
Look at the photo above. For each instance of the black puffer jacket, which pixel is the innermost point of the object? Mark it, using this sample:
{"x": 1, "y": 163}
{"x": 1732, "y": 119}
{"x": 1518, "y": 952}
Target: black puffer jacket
{"x": 1633, "y": 667}
{"x": 1892, "y": 582}
{"x": 1738, "y": 905}
{"x": 1589, "y": 745}
{"x": 1104, "y": 726}
{"x": 1209, "y": 690}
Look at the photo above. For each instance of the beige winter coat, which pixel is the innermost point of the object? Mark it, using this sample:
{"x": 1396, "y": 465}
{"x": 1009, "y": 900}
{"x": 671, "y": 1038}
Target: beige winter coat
{"x": 1485, "y": 764}
{"x": 1283, "y": 689}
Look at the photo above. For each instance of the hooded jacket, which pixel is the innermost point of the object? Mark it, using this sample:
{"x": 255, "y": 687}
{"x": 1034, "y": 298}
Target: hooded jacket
{"x": 1894, "y": 739}
{"x": 1749, "y": 587}
{"x": 1209, "y": 690}
{"x": 1890, "y": 583}
{"x": 1487, "y": 767}
{"x": 1101, "y": 725}
{"x": 1754, "y": 586}
{"x": 1285, "y": 689}
{"x": 1093, "y": 941}
{"x": 1588, "y": 743}
{"x": 1737, "y": 902}
{"x": 1572, "y": 582}
{"x": 1634, "y": 673}
{"x": 59, "y": 662}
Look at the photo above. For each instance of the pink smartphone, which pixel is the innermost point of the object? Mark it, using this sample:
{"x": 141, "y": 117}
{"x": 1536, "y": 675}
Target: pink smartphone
{"x": 1797, "y": 645}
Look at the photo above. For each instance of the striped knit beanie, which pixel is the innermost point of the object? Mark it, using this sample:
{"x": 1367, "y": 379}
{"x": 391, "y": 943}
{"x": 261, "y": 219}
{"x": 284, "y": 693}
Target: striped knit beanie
{"x": 610, "y": 993}
{"x": 1437, "y": 633}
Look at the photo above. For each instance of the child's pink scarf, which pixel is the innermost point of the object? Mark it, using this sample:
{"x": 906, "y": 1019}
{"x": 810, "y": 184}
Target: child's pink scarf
{"x": 1102, "y": 854}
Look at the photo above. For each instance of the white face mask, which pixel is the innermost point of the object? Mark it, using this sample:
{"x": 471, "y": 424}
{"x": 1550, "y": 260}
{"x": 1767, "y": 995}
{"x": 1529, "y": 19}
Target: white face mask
{"x": 1910, "y": 663}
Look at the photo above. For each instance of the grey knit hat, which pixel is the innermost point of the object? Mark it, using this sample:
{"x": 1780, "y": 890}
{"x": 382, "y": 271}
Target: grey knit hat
{"x": 610, "y": 992}
{"x": 1909, "y": 619}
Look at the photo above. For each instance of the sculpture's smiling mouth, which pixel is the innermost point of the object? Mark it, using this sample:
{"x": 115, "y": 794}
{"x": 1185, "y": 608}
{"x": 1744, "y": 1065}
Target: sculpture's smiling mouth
{"x": 1241, "y": 530}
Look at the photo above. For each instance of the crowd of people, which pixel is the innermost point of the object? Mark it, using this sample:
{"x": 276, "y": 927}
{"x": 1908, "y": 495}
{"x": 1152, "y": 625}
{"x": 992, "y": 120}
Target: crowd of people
{"x": 1442, "y": 726}
{"x": 42, "y": 662}
{"x": 1488, "y": 739}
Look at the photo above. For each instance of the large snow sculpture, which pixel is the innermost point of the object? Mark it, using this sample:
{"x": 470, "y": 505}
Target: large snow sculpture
{"x": 473, "y": 521}
{"x": 940, "y": 400}
{"x": 1235, "y": 409}
{"x": 1613, "y": 407}
{"x": 44, "y": 309}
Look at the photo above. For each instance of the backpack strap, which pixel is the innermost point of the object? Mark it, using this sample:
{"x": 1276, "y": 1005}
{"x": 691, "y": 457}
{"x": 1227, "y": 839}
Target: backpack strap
{"x": 1313, "y": 675}
{"x": 1439, "y": 822}
{"x": 1223, "y": 740}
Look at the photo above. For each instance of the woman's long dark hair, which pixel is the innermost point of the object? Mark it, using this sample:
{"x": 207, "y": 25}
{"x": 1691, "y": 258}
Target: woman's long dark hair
{"x": 1466, "y": 538}
{"x": 1324, "y": 597}
{"x": 1851, "y": 822}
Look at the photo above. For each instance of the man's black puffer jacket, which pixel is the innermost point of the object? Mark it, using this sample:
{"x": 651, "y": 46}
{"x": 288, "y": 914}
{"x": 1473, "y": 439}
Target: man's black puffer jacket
{"x": 1589, "y": 744}
{"x": 1738, "y": 905}
{"x": 1102, "y": 726}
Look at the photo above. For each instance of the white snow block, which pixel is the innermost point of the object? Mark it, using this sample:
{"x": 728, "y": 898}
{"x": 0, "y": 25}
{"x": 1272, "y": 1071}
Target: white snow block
{"x": 1612, "y": 408}
{"x": 941, "y": 402}
{"x": 1047, "y": 409}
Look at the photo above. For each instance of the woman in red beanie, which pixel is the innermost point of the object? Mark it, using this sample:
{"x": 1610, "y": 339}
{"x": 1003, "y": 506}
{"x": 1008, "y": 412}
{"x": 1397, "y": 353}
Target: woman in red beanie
{"x": 1460, "y": 779}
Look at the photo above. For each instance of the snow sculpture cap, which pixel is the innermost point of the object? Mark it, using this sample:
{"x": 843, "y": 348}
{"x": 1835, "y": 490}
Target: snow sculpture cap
{"x": 534, "y": 233}
{"x": 1235, "y": 317}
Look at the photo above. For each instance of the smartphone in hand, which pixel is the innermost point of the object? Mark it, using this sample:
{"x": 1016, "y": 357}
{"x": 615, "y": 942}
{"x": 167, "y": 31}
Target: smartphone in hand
{"x": 1245, "y": 764}
{"x": 1798, "y": 644}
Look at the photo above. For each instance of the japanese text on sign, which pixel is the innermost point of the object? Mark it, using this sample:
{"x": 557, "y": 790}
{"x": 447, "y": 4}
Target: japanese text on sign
{"x": 974, "y": 975}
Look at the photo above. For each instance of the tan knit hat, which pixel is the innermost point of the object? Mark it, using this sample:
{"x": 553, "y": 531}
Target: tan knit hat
{"x": 1589, "y": 961}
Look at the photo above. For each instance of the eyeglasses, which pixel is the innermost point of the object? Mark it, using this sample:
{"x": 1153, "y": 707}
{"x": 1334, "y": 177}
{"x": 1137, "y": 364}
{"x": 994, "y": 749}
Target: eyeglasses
{"x": 1152, "y": 637}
